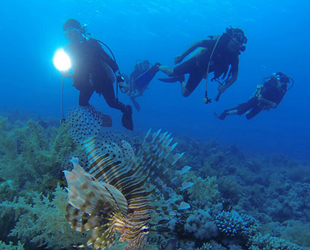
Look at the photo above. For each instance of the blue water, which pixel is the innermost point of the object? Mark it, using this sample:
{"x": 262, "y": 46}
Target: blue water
{"x": 278, "y": 38}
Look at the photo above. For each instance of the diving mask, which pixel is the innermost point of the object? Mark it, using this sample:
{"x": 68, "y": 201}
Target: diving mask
{"x": 240, "y": 37}
{"x": 73, "y": 34}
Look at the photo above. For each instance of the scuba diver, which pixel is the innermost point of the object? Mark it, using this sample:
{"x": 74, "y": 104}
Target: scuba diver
{"x": 139, "y": 80}
{"x": 215, "y": 55}
{"x": 94, "y": 70}
{"x": 267, "y": 96}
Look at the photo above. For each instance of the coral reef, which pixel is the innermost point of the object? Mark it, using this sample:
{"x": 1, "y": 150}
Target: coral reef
{"x": 205, "y": 191}
{"x": 264, "y": 242}
{"x": 201, "y": 225}
{"x": 10, "y": 246}
{"x": 232, "y": 191}
{"x": 232, "y": 224}
{"x": 41, "y": 220}
{"x": 32, "y": 152}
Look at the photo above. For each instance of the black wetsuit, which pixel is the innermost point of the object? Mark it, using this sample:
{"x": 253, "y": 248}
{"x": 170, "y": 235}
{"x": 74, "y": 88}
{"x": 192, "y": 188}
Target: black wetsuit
{"x": 221, "y": 60}
{"x": 93, "y": 71}
{"x": 269, "y": 91}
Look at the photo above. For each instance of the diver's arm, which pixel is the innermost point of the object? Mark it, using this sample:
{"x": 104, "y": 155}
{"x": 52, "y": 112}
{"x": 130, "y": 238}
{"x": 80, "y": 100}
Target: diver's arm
{"x": 104, "y": 55}
{"x": 119, "y": 78}
{"x": 233, "y": 78}
{"x": 180, "y": 58}
{"x": 232, "y": 75}
{"x": 229, "y": 82}
{"x": 109, "y": 60}
{"x": 123, "y": 87}
{"x": 136, "y": 94}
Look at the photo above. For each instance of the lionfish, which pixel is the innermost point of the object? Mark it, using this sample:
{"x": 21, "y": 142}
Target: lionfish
{"x": 117, "y": 191}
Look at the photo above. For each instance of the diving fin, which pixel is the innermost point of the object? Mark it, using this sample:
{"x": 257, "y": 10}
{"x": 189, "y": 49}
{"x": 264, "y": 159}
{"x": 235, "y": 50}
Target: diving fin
{"x": 127, "y": 118}
{"x": 135, "y": 103}
{"x": 173, "y": 79}
{"x": 143, "y": 80}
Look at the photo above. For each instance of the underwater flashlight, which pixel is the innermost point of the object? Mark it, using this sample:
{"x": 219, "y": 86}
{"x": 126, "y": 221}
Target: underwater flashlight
{"x": 61, "y": 60}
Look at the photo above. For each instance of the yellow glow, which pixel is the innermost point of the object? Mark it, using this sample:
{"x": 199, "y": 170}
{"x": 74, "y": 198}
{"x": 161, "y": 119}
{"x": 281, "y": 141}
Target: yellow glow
{"x": 61, "y": 60}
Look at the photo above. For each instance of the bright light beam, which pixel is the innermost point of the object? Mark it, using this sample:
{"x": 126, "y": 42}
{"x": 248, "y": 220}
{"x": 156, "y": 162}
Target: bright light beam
{"x": 61, "y": 60}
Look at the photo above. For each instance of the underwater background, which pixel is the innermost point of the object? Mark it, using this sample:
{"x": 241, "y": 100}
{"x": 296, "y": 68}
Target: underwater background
{"x": 266, "y": 158}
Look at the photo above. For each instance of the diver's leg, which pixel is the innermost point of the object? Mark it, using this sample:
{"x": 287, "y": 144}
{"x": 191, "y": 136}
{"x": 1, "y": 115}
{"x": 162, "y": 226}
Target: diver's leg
{"x": 239, "y": 110}
{"x": 226, "y": 113}
{"x": 192, "y": 83}
{"x": 255, "y": 111}
{"x": 84, "y": 96}
{"x": 179, "y": 70}
{"x": 244, "y": 107}
{"x": 166, "y": 69}
{"x": 113, "y": 102}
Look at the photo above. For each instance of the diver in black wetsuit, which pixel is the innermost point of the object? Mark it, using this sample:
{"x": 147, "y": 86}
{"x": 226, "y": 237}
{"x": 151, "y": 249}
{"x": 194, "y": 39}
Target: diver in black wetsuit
{"x": 216, "y": 55}
{"x": 94, "y": 70}
{"x": 267, "y": 96}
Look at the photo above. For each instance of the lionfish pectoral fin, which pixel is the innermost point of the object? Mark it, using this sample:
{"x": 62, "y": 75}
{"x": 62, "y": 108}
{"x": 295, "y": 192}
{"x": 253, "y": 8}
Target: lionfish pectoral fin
{"x": 77, "y": 218}
{"x": 91, "y": 196}
{"x": 92, "y": 206}
{"x": 102, "y": 237}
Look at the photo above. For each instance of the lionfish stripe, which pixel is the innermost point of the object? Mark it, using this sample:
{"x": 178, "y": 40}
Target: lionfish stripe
{"x": 115, "y": 195}
{"x": 105, "y": 169}
{"x": 118, "y": 198}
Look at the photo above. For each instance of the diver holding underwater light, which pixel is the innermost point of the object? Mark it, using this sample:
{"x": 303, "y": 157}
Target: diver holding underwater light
{"x": 94, "y": 70}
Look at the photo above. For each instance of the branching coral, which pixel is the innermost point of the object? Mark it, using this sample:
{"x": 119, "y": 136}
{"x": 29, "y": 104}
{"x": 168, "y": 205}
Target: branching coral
{"x": 233, "y": 224}
{"x": 42, "y": 221}
{"x": 200, "y": 223}
{"x": 266, "y": 242}
{"x": 10, "y": 246}
{"x": 229, "y": 187}
{"x": 29, "y": 151}
{"x": 205, "y": 190}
